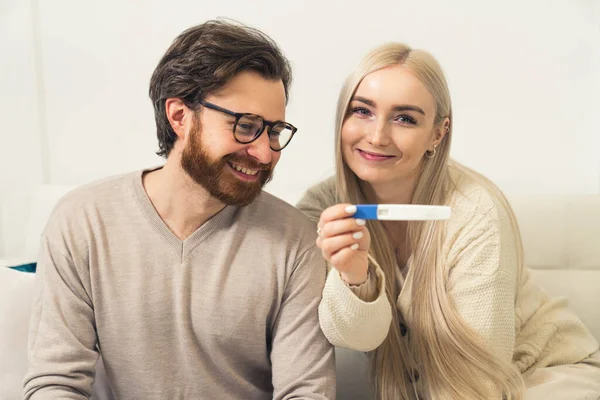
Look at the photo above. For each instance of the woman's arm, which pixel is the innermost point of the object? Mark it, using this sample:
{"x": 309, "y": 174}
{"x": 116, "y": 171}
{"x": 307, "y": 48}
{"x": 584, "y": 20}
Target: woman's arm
{"x": 347, "y": 320}
{"x": 352, "y": 316}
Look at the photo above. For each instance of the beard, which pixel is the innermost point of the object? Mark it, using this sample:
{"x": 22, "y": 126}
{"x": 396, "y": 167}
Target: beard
{"x": 217, "y": 177}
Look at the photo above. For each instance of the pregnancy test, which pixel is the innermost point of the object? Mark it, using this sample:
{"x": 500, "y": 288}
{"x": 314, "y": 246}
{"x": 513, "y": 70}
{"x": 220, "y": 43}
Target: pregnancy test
{"x": 402, "y": 212}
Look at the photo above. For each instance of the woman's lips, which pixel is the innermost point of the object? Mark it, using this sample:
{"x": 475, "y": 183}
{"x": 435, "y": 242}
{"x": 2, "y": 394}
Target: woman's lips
{"x": 367, "y": 155}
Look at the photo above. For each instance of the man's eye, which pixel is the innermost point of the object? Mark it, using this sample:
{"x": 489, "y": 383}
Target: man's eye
{"x": 246, "y": 127}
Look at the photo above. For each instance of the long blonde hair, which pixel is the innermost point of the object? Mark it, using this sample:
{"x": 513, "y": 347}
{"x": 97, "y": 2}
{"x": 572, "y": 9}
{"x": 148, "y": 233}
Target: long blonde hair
{"x": 449, "y": 354}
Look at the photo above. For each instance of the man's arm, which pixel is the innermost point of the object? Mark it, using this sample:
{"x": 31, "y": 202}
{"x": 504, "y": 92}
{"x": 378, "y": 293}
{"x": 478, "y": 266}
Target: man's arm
{"x": 62, "y": 333}
{"x": 302, "y": 359}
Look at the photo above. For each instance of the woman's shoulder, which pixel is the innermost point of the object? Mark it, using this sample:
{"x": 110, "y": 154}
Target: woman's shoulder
{"x": 475, "y": 196}
{"x": 478, "y": 208}
{"x": 481, "y": 217}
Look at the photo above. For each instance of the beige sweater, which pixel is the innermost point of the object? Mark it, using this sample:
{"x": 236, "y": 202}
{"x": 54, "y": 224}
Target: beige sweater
{"x": 515, "y": 317}
{"x": 228, "y": 313}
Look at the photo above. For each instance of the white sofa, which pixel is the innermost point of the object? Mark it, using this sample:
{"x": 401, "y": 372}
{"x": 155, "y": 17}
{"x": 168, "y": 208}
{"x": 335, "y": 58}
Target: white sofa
{"x": 561, "y": 236}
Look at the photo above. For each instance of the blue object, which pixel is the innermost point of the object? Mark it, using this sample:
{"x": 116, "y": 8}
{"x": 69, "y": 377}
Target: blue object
{"x": 366, "y": 211}
{"x": 30, "y": 267}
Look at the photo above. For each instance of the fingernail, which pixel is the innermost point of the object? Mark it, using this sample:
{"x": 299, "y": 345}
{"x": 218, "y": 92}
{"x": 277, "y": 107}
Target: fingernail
{"x": 360, "y": 222}
{"x": 351, "y": 209}
{"x": 357, "y": 235}
{"x": 354, "y": 246}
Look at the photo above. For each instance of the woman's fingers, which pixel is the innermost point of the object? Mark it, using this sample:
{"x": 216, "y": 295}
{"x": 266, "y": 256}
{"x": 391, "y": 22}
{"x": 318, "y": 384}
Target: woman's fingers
{"x": 358, "y": 240}
{"x": 344, "y": 241}
{"x": 341, "y": 227}
{"x": 338, "y": 211}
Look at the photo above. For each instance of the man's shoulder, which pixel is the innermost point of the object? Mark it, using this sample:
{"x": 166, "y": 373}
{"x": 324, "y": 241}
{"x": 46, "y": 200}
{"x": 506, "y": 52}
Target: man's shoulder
{"x": 278, "y": 211}
{"x": 96, "y": 192}
{"x": 281, "y": 217}
{"x": 285, "y": 230}
{"x": 94, "y": 198}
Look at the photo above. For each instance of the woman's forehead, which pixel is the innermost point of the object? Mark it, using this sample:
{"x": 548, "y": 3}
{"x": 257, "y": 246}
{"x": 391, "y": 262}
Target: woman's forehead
{"x": 395, "y": 85}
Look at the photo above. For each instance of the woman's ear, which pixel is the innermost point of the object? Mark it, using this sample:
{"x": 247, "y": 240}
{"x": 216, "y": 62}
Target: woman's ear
{"x": 441, "y": 131}
{"x": 176, "y": 111}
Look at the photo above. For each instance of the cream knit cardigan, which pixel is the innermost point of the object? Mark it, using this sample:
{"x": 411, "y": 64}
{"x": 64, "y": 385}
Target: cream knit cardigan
{"x": 516, "y": 318}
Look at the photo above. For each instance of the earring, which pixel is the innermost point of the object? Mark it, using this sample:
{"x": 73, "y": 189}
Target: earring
{"x": 431, "y": 153}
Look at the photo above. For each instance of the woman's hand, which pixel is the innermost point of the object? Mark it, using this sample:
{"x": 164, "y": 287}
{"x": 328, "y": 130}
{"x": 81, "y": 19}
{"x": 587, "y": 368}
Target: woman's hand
{"x": 344, "y": 242}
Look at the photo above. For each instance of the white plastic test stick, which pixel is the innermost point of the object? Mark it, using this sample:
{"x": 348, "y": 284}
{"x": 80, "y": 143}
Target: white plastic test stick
{"x": 402, "y": 212}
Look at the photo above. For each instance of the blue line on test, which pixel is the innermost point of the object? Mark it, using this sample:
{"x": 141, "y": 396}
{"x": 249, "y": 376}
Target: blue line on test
{"x": 366, "y": 211}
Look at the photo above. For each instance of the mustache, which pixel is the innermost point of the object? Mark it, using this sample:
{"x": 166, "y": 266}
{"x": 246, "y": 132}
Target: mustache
{"x": 248, "y": 162}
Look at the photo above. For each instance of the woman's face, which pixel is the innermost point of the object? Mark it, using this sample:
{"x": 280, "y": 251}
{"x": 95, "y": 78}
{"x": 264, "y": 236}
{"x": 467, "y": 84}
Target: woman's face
{"x": 389, "y": 127}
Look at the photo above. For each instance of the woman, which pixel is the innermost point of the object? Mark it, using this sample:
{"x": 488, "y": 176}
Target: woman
{"x": 446, "y": 309}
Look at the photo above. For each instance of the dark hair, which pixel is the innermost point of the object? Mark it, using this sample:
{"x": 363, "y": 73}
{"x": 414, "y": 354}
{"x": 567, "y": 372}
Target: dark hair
{"x": 203, "y": 59}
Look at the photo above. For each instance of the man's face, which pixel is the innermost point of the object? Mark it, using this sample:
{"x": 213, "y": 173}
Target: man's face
{"x": 231, "y": 172}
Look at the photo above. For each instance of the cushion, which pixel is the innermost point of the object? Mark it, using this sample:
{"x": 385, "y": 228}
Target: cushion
{"x": 580, "y": 287}
{"x": 29, "y": 267}
{"x": 15, "y": 304}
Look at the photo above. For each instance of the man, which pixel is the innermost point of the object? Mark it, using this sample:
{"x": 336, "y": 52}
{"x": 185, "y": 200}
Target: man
{"x": 189, "y": 280}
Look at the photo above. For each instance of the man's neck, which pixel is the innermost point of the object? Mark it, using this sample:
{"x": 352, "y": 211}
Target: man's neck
{"x": 181, "y": 203}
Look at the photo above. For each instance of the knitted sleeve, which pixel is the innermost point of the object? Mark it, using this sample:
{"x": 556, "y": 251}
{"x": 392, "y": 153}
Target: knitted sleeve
{"x": 353, "y": 317}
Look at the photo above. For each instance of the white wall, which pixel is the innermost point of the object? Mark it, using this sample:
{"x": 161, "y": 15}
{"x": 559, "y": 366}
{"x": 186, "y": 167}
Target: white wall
{"x": 523, "y": 75}
{"x": 21, "y": 156}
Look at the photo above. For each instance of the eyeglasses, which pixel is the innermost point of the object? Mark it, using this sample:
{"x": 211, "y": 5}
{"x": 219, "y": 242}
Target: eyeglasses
{"x": 248, "y": 127}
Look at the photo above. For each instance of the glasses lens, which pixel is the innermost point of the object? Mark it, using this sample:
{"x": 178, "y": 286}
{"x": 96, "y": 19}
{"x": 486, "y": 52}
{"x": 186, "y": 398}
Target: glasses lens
{"x": 280, "y": 135}
{"x": 247, "y": 128}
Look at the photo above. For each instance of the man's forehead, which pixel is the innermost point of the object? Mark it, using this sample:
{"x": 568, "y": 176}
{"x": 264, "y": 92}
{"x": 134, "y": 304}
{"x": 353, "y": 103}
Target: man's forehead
{"x": 251, "y": 93}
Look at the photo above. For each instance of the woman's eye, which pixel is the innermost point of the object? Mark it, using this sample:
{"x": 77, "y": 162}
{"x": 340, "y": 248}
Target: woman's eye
{"x": 405, "y": 119}
{"x": 361, "y": 111}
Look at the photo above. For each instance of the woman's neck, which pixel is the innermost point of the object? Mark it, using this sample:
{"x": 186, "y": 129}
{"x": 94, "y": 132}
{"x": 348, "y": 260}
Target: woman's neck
{"x": 400, "y": 191}
{"x": 393, "y": 192}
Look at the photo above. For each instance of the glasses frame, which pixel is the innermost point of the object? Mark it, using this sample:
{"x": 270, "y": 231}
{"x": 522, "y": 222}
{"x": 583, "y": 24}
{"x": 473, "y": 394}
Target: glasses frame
{"x": 265, "y": 124}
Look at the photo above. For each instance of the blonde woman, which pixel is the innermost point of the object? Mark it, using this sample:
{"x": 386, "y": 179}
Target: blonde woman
{"x": 446, "y": 309}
